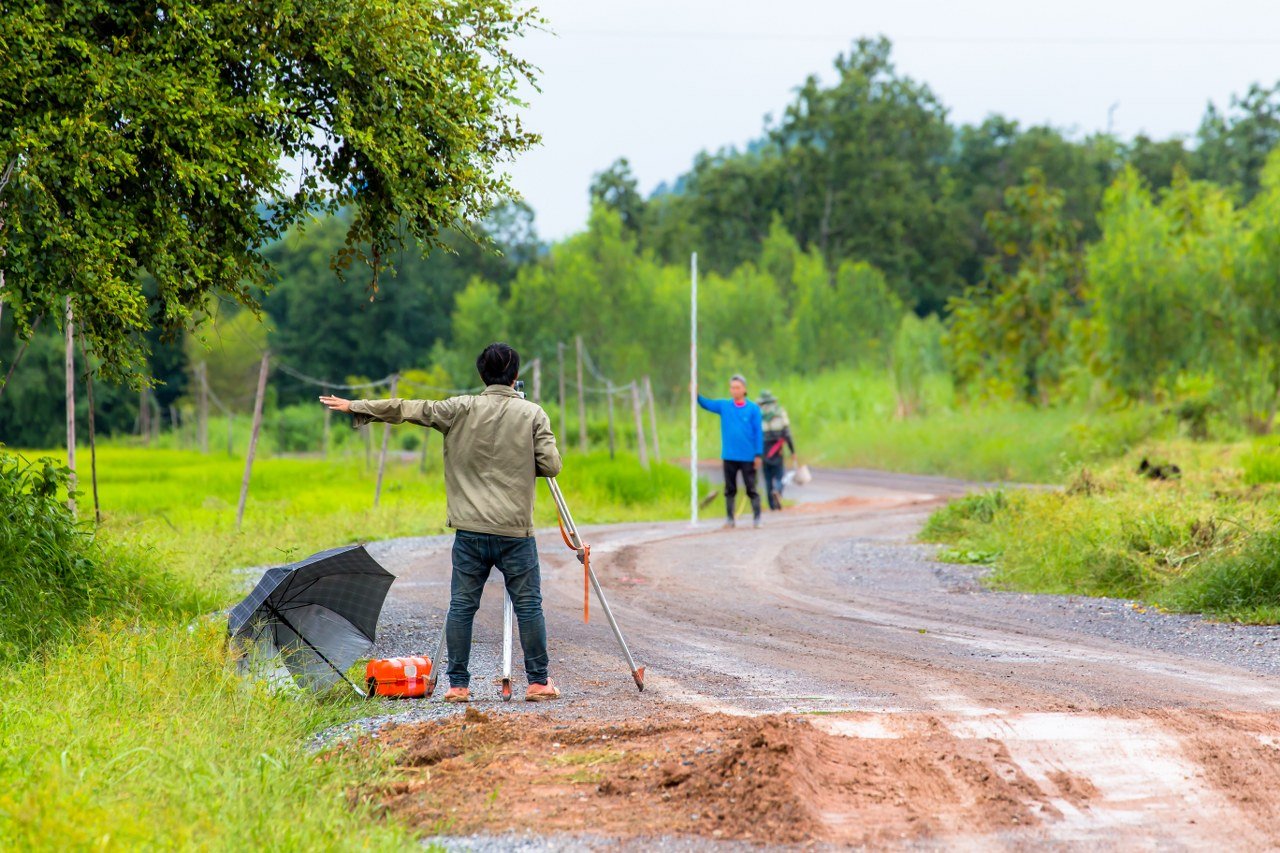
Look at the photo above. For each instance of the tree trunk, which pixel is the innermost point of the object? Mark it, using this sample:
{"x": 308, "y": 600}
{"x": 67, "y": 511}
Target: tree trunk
{"x": 71, "y": 407}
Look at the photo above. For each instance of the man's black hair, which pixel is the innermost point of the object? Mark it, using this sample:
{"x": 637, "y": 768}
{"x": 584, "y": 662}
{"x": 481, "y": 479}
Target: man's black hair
{"x": 499, "y": 364}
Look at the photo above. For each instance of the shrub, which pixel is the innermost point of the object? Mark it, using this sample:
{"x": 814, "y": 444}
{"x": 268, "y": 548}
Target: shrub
{"x": 300, "y": 428}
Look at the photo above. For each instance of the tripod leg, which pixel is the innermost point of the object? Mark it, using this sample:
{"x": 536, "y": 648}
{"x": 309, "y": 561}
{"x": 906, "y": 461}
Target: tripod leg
{"x": 438, "y": 662}
{"x": 508, "y": 617}
{"x": 637, "y": 672}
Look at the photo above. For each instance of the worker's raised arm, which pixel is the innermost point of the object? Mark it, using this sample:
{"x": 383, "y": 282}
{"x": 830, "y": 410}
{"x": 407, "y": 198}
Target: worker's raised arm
{"x": 437, "y": 414}
{"x": 546, "y": 456}
{"x": 710, "y": 405}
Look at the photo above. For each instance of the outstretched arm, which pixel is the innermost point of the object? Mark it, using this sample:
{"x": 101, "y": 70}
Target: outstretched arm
{"x": 428, "y": 413}
{"x": 335, "y": 404}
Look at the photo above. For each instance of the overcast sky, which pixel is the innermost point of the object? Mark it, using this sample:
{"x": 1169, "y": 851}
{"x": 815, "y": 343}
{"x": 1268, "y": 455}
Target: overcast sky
{"x": 658, "y": 81}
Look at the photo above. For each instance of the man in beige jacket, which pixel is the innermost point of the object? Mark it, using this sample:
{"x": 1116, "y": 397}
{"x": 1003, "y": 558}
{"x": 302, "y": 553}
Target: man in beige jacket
{"x": 496, "y": 445}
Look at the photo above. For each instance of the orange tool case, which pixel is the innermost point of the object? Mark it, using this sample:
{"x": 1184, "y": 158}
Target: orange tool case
{"x": 404, "y": 678}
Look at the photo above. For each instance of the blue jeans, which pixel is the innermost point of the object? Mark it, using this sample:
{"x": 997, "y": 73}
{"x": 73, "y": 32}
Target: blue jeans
{"x": 775, "y": 470}
{"x": 474, "y": 555}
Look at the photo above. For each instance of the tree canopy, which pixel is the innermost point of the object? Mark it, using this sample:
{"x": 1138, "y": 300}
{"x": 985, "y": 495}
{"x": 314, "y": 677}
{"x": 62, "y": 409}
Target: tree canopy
{"x": 177, "y": 141}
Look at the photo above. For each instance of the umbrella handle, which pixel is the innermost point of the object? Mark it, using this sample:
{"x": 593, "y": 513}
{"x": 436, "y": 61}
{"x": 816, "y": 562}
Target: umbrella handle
{"x": 319, "y": 653}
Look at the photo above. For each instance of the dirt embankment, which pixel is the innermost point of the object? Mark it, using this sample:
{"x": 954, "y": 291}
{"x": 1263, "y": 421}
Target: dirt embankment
{"x": 770, "y": 779}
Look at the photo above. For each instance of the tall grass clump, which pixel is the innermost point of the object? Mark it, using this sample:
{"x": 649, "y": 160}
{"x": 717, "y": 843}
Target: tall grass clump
{"x": 1204, "y": 541}
{"x": 1243, "y": 585}
{"x": 141, "y": 736}
{"x": 54, "y": 574}
{"x": 1261, "y": 464}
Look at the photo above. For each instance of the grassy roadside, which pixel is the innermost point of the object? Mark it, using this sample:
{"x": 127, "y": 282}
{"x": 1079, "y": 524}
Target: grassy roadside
{"x": 181, "y": 505}
{"x": 123, "y": 723}
{"x": 1206, "y": 542}
{"x": 848, "y": 418}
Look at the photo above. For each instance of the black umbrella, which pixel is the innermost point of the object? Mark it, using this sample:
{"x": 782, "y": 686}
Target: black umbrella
{"x": 319, "y": 615}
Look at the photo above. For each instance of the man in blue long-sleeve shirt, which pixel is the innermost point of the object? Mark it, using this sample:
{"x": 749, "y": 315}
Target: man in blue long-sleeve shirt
{"x": 741, "y": 444}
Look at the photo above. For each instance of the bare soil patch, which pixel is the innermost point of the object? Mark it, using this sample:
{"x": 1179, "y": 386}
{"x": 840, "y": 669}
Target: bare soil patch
{"x": 770, "y": 779}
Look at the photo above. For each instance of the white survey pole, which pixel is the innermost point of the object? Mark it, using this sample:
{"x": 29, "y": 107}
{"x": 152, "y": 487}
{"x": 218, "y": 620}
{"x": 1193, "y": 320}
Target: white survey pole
{"x": 693, "y": 388}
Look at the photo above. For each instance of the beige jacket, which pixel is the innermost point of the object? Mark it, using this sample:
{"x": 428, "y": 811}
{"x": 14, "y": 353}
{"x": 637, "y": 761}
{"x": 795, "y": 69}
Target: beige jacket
{"x": 496, "y": 444}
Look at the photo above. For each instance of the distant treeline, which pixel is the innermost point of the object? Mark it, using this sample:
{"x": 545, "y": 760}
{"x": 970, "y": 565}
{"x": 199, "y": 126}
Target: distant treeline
{"x": 869, "y": 169}
{"x": 860, "y": 227}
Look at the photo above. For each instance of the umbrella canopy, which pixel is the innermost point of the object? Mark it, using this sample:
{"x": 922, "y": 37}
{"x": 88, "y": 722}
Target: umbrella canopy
{"x": 319, "y": 615}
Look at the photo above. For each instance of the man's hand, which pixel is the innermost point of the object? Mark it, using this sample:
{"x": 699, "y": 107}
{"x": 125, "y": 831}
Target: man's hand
{"x": 336, "y": 404}
{"x": 758, "y": 463}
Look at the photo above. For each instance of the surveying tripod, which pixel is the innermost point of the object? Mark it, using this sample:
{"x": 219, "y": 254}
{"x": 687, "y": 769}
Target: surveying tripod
{"x": 569, "y": 531}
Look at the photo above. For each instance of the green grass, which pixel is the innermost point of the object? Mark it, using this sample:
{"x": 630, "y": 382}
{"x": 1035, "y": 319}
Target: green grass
{"x": 1206, "y": 543}
{"x": 181, "y": 505}
{"x": 848, "y": 418}
{"x": 1261, "y": 463}
{"x": 123, "y": 722}
{"x": 139, "y": 735}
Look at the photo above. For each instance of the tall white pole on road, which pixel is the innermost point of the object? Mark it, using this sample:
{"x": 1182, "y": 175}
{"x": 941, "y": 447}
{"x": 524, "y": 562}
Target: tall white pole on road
{"x": 693, "y": 389}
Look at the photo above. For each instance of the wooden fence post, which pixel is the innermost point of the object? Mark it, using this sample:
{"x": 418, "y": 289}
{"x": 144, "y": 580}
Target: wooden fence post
{"x": 71, "y": 408}
{"x": 93, "y": 446}
{"x": 537, "y": 380}
{"x": 324, "y": 439}
{"x": 253, "y": 435}
{"x": 582, "y": 400}
{"x": 202, "y": 428}
{"x": 386, "y": 439}
{"x": 564, "y": 418}
{"x": 638, "y": 409}
{"x": 144, "y": 417}
{"x": 653, "y": 419}
{"x": 609, "y": 393}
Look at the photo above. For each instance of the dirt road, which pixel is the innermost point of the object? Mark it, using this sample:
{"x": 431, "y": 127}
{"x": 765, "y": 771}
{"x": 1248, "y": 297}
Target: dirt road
{"x": 823, "y": 680}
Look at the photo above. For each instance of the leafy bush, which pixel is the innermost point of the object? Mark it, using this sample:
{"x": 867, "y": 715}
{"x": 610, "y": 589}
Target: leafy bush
{"x": 53, "y": 574}
{"x": 300, "y": 428}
